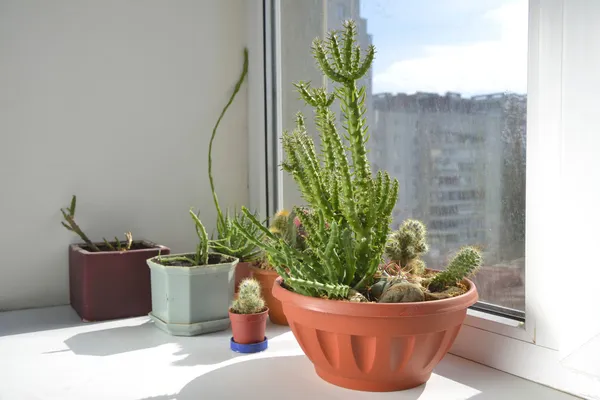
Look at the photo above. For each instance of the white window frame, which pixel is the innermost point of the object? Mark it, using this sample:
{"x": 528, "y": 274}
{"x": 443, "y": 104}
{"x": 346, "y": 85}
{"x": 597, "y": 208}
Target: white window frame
{"x": 534, "y": 349}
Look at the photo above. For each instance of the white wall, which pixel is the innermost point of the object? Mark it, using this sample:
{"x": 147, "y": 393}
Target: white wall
{"x": 114, "y": 101}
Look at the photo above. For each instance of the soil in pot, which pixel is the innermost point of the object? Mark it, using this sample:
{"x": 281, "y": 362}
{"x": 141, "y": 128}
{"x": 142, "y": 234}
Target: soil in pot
{"x": 248, "y": 328}
{"x": 267, "y": 278}
{"x": 373, "y": 346}
{"x": 136, "y": 245}
{"x": 179, "y": 262}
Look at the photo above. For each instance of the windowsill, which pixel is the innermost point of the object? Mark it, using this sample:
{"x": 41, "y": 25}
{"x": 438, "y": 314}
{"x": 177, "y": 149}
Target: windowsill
{"x": 494, "y": 318}
{"x": 48, "y": 353}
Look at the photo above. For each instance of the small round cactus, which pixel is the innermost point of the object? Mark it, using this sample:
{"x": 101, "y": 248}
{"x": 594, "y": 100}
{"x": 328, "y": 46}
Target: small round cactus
{"x": 249, "y": 300}
{"x": 288, "y": 227}
{"x": 280, "y": 222}
{"x": 408, "y": 243}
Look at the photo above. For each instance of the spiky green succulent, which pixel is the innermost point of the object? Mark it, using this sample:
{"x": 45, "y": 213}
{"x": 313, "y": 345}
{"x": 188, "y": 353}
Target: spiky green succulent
{"x": 230, "y": 241}
{"x": 249, "y": 300}
{"x": 70, "y": 224}
{"x": 350, "y": 210}
{"x": 465, "y": 263}
{"x": 407, "y": 244}
{"x": 287, "y": 225}
{"x": 200, "y": 257}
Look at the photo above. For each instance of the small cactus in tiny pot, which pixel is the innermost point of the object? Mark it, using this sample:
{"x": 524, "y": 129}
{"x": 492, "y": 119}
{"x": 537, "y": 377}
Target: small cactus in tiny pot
{"x": 249, "y": 300}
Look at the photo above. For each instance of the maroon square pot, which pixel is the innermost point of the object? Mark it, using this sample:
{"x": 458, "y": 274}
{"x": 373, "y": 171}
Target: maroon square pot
{"x": 111, "y": 284}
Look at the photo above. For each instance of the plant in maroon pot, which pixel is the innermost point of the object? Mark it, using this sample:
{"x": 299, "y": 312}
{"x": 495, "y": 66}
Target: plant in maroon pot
{"x": 108, "y": 280}
{"x": 229, "y": 240}
{"x": 248, "y": 315}
{"x": 363, "y": 326}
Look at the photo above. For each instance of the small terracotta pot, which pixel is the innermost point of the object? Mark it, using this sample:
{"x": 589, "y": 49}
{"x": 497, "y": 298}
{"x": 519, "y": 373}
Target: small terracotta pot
{"x": 374, "y": 347}
{"x": 242, "y": 271}
{"x": 248, "y": 328}
{"x": 266, "y": 278}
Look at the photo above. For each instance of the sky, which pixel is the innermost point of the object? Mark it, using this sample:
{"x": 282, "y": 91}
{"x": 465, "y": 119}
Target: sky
{"x": 466, "y": 46}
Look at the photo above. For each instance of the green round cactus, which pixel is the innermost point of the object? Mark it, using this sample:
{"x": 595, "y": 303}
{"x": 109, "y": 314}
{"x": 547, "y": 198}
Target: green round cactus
{"x": 249, "y": 300}
{"x": 408, "y": 243}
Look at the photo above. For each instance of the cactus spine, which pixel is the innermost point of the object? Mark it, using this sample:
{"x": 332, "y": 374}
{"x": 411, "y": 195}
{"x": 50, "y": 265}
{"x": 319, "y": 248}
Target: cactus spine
{"x": 249, "y": 300}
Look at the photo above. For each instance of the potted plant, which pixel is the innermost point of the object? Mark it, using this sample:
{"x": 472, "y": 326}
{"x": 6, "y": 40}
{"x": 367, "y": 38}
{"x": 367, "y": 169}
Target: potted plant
{"x": 192, "y": 292}
{"x": 355, "y": 336}
{"x": 229, "y": 239}
{"x": 108, "y": 280}
{"x": 287, "y": 227}
{"x": 248, "y": 316}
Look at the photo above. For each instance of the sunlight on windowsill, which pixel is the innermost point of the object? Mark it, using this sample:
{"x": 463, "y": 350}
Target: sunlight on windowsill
{"x": 132, "y": 359}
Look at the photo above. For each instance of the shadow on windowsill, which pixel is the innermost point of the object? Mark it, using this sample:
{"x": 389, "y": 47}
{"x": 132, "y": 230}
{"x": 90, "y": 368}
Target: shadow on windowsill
{"x": 283, "y": 377}
{"x": 39, "y": 319}
{"x": 207, "y": 349}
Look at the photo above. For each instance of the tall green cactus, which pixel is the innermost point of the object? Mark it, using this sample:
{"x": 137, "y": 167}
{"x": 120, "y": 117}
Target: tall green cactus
{"x": 249, "y": 300}
{"x": 203, "y": 242}
{"x": 70, "y": 224}
{"x": 230, "y": 241}
{"x": 465, "y": 263}
{"x": 407, "y": 244}
{"x": 350, "y": 210}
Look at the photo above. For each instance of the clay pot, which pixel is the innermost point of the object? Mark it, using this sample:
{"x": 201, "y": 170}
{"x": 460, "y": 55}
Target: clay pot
{"x": 242, "y": 271}
{"x": 266, "y": 278}
{"x": 371, "y": 346}
{"x": 248, "y": 328}
{"x": 111, "y": 284}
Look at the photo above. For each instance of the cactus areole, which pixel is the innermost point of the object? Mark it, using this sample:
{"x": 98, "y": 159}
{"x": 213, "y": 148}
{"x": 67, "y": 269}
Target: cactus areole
{"x": 366, "y": 324}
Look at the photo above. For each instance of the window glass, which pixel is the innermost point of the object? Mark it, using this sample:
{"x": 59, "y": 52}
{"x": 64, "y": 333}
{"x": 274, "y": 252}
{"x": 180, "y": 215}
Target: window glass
{"x": 447, "y": 110}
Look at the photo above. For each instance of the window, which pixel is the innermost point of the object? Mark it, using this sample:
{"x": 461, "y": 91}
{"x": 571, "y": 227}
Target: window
{"x": 449, "y": 90}
{"x": 547, "y": 124}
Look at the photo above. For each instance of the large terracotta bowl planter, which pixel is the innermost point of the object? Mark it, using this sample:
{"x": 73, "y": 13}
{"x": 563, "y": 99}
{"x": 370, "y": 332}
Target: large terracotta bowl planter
{"x": 107, "y": 285}
{"x": 266, "y": 278}
{"x": 374, "y": 347}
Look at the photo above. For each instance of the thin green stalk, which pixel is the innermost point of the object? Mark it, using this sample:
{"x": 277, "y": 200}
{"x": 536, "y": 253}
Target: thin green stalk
{"x": 238, "y": 85}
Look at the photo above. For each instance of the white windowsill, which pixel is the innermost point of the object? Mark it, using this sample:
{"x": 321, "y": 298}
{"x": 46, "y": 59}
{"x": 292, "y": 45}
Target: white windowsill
{"x": 49, "y": 354}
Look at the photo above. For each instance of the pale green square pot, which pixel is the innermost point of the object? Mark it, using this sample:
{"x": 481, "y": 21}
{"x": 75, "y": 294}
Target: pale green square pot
{"x": 190, "y": 301}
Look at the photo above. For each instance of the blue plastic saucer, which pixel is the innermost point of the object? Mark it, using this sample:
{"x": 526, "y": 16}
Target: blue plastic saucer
{"x": 249, "y": 348}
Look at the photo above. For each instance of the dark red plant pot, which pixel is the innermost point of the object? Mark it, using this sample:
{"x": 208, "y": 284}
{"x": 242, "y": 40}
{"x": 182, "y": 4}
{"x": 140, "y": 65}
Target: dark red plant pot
{"x": 111, "y": 284}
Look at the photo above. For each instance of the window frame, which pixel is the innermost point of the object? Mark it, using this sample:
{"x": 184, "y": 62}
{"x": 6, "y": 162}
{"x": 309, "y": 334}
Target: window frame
{"x": 519, "y": 348}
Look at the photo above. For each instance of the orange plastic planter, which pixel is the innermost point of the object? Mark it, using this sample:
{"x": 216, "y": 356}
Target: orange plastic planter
{"x": 374, "y": 347}
{"x": 248, "y": 328}
{"x": 242, "y": 271}
{"x": 266, "y": 278}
